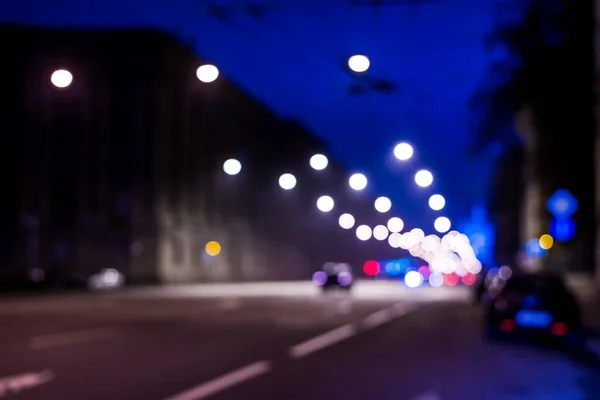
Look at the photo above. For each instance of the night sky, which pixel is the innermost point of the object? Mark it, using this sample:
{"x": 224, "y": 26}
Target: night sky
{"x": 290, "y": 54}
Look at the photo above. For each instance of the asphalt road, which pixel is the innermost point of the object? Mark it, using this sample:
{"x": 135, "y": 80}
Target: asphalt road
{"x": 266, "y": 342}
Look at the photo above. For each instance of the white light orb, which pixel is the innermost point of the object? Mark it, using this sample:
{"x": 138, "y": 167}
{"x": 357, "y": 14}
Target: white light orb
{"x": 403, "y": 151}
{"x": 347, "y": 221}
{"x": 287, "y": 181}
{"x": 442, "y": 224}
{"x": 358, "y": 181}
{"x": 437, "y": 202}
{"x": 394, "y": 240}
{"x": 319, "y": 162}
{"x": 364, "y": 232}
{"x": 325, "y": 203}
{"x": 424, "y": 178}
{"x": 413, "y": 279}
{"x": 61, "y": 78}
{"x": 359, "y": 63}
{"x": 417, "y": 235}
{"x": 232, "y": 166}
{"x": 395, "y": 225}
{"x": 380, "y": 232}
{"x": 383, "y": 204}
{"x": 207, "y": 73}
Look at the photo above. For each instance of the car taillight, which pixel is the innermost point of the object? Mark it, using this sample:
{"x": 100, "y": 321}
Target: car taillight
{"x": 559, "y": 329}
{"x": 508, "y": 325}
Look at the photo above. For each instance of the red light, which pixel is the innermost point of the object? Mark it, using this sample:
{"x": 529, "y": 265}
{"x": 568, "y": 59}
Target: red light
{"x": 469, "y": 279}
{"x": 371, "y": 268}
{"x": 425, "y": 272}
{"x": 450, "y": 279}
{"x": 508, "y": 325}
{"x": 559, "y": 329}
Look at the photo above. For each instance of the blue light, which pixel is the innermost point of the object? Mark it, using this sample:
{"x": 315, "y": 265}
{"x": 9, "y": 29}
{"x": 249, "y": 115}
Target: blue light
{"x": 562, "y": 229}
{"x": 533, "y": 249}
{"x": 393, "y": 268}
{"x": 562, "y": 204}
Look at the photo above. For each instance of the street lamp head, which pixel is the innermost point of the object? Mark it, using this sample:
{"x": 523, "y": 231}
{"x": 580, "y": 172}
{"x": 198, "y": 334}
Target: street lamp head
{"x": 61, "y": 78}
{"x": 358, "y": 182}
{"x": 287, "y": 181}
{"x": 325, "y": 204}
{"x": 359, "y": 63}
{"x": 232, "y": 166}
{"x": 403, "y": 151}
{"x": 319, "y": 162}
{"x": 424, "y": 178}
{"x": 383, "y": 204}
{"x": 207, "y": 73}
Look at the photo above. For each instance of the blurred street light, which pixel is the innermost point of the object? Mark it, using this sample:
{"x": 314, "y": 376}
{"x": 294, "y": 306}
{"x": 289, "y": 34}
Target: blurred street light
{"x": 437, "y": 202}
{"x": 394, "y": 240}
{"x": 380, "y": 232}
{"x": 364, "y": 233}
{"x": 212, "y": 248}
{"x": 403, "y": 151}
{"x": 383, "y": 204}
{"x": 61, "y": 78}
{"x": 359, "y": 63}
{"x": 232, "y": 166}
{"x": 424, "y": 178}
{"x": 319, "y": 162}
{"x": 207, "y": 73}
{"x": 325, "y": 203}
{"x": 358, "y": 182}
{"x": 347, "y": 221}
{"x": 287, "y": 181}
{"x": 442, "y": 224}
{"x": 395, "y": 224}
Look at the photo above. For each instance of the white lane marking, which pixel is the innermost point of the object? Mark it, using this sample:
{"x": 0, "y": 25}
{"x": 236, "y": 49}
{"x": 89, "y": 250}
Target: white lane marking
{"x": 18, "y": 383}
{"x": 378, "y": 318}
{"x": 322, "y": 341}
{"x": 428, "y": 396}
{"x": 66, "y": 338}
{"x": 226, "y": 381}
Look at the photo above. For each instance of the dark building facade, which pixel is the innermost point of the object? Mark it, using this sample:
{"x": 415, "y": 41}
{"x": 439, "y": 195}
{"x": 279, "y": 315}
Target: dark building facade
{"x": 123, "y": 168}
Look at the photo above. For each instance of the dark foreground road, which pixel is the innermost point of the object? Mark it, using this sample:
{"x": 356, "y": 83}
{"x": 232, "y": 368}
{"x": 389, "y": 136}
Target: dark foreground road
{"x": 190, "y": 344}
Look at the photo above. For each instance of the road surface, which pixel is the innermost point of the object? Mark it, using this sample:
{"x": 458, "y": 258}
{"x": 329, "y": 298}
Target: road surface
{"x": 271, "y": 342}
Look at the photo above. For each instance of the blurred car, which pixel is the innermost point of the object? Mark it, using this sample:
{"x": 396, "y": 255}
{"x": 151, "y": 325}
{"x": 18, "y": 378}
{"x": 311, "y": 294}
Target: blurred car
{"x": 534, "y": 306}
{"x": 334, "y": 276}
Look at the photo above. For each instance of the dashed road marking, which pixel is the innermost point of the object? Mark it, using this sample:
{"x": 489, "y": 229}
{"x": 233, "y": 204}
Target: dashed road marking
{"x": 224, "y": 382}
{"x": 322, "y": 341}
{"x": 73, "y": 337}
{"x": 18, "y": 383}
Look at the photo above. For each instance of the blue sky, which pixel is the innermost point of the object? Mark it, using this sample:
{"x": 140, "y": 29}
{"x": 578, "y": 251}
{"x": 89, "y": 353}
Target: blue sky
{"x": 292, "y": 60}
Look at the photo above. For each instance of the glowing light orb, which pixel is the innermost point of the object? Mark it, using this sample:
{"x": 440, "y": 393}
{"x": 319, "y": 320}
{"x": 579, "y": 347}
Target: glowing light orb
{"x": 325, "y": 203}
{"x": 207, "y": 73}
{"x": 359, "y": 63}
{"x": 364, "y": 232}
{"x": 383, "y": 204}
{"x": 232, "y": 166}
{"x": 287, "y": 181}
{"x": 403, "y": 151}
{"x": 395, "y": 225}
{"x": 346, "y": 221}
{"x": 437, "y": 202}
{"x": 358, "y": 182}
{"x": 319, "y": 162}
{"x": 212, "y": 248}
{"x": 61, "y": 78}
